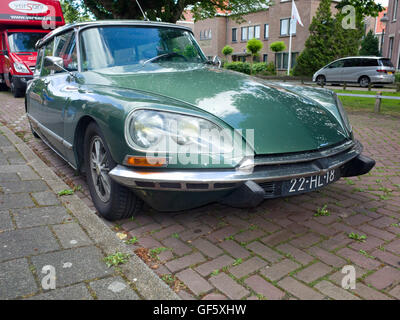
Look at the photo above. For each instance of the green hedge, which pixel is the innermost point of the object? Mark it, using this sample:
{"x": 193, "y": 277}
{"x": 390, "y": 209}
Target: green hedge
{"x": 245, "y": 67}
{"x": 397, "y": 76}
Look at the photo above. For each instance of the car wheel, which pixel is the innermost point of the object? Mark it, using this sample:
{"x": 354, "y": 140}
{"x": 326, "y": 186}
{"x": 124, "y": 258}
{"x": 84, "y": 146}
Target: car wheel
{"x": 321, "y": 80}
{"x": 33, "y": 132}
{"x": 112, "y": 200}
{"x": 17, "y": 92}
{"x": 364, "y": 81}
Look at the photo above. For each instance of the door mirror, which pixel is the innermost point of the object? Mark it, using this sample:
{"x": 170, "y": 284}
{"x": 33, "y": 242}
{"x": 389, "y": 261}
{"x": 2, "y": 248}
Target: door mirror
{"x": 217, "y": 61}
{"x": 54, "y": 63}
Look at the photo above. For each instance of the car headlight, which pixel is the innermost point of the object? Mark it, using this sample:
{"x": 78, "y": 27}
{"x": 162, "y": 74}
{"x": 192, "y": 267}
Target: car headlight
{"x": 167, "y": 132}
{"x": 343, "y": 114}
{"x": 20, "y": 67}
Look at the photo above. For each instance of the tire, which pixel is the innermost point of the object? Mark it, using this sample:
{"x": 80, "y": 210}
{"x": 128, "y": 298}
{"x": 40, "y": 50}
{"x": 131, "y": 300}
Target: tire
{"x": 3, "y": 87}
{"x": 112, "y": 200}
{"x": 33, "y": 132}
{"x": 321, "y": 80}
{"x": 364, "y": 81}
{"x": 17, "y": 92}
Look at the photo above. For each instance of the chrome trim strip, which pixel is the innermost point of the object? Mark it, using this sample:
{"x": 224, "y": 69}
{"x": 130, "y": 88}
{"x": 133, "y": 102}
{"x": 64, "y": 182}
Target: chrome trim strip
{"x": 301, "y": 157}
{"x": 51, "y": 133}
{"x": 130, "y": 177}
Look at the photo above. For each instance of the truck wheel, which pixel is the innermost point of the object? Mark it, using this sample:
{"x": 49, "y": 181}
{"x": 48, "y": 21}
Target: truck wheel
{"x": 112, "y": 200}
{"x": 3, "y": 87}
{"x": 17, "y": 92}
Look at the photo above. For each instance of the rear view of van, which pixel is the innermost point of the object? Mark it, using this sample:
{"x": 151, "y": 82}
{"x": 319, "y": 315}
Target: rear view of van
{"x": 361, "y": 70}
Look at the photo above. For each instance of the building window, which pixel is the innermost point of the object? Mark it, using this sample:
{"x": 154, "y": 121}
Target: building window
{"x": 282, "y": 58}
{"x": 285, "y": 25}
{"x": 244, "y": 33}
{"x": 390, "y": 51}
{"x": 265, "y": 58}
{"x": 209, "y": 34}
{"x": 201, "y": 35}
{"x": 395, "y": 5}
{"x": 266, "y": 31}
{"x": 251, "y": 33}
{"x": 257, "y": 32}
{"x": 234, "y": 34}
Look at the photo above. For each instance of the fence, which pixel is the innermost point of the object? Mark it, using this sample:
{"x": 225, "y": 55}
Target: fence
{"x": 378, "y": 96}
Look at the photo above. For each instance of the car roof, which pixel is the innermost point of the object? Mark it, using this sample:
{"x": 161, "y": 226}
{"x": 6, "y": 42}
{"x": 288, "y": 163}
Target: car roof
{"x": 87, "y": 24}
{"x": 362, "y": 57}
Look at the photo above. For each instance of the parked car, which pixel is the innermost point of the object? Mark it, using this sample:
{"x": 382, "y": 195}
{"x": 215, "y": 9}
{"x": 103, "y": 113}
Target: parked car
{"x": 22, "y": 24}
{"x": 127, "y": 102}
{"x": 361, "y": 70}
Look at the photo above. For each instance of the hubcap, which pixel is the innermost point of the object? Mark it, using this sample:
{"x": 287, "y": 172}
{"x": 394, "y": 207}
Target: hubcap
{"x": 99, "y": 169}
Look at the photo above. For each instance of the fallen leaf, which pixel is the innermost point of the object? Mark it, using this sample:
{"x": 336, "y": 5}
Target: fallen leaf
{"x": 121, "y": 235}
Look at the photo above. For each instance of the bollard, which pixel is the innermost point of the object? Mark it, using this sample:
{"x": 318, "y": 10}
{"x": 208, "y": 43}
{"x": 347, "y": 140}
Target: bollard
{"x": 398, "y": 87}
{"x": 302, "y": 81}
{"x": 344, "y": 85}
{"x": 369, "y": 86}
{"x": 378, "y": 100}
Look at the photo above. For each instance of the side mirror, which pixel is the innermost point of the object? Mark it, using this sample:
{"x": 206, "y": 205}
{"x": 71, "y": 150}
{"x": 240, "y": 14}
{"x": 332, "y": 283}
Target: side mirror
{"x": 54, "y": 63}
{"x": 217, "y": 61}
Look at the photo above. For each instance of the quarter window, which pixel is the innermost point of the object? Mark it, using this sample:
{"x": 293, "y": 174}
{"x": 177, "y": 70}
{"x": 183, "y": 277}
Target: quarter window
{"x": 65, "y": 48}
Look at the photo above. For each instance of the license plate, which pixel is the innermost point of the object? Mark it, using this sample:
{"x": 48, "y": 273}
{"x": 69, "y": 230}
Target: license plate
{"x": 305, "y": 184}
{"x": 390, "y": 72}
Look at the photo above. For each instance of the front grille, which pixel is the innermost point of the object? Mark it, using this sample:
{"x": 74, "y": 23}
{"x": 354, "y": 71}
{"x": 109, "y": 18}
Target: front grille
{"x": 32, "y": 68}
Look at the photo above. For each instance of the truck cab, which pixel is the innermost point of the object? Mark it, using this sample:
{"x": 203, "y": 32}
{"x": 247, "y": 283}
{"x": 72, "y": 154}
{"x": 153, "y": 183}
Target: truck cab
{"x": 22, "y": 24}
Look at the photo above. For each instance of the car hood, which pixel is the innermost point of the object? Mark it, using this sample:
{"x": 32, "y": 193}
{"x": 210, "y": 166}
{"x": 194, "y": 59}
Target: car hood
{"x": 284, "y": 118}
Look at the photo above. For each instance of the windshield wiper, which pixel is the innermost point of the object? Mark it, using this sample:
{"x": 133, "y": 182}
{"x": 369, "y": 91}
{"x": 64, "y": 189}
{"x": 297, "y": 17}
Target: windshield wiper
{"x": 159, "y": 56}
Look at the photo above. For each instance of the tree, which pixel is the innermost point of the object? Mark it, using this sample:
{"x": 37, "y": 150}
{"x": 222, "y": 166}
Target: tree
{"x": 72, "y": 11}
{"x": 226, "y": 51}
{"x": 370, "y": 45}
{"x": 277, "y": 46}
{"x": 171, "y": 10}
{"x": 320, "y": 45}
{"x": 253, "y": 47}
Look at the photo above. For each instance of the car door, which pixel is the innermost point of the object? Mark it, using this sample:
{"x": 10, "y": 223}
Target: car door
{"x": 333, "y": 71}
{"x": 51, "y": 91}
{"x": 351, "y": 68}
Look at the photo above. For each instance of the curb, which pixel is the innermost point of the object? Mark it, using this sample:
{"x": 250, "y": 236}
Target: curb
{"x": 147, "y": 283}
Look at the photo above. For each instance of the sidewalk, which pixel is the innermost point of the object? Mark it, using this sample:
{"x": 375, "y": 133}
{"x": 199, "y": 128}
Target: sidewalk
{"x": 42, "y": 233}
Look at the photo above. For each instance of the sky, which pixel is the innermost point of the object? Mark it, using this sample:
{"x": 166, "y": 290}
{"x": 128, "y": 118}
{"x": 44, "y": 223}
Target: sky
{"x": 382, "y": 2}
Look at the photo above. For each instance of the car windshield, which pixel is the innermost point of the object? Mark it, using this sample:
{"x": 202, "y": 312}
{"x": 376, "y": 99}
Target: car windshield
{"x": 24, "y": 42}
{"x": 114, "y": 46}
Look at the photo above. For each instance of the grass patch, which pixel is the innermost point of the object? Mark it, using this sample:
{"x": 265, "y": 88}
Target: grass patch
{"x": 391, "y": 107}
{"x": 322, "y": 211}
{"x": 357, "y": 237}
{"x": 116, "y": 259}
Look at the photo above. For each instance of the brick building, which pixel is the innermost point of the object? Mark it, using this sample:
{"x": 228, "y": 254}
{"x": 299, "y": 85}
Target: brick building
{"x": 391, "y": 42}
{"x": 269, "y": 25}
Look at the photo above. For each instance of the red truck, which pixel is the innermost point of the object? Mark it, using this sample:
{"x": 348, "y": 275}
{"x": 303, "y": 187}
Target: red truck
{"x": 22, "y": 24}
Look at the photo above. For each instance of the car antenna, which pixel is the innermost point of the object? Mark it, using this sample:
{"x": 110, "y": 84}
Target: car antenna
{"x": 144, "y": 15}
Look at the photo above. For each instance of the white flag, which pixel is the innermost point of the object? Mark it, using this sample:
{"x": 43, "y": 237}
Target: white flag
{"x": 295, "y": 14}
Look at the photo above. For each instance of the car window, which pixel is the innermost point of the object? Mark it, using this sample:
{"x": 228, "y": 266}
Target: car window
{"x": 348, "y": 63}
{"x": 48, "y": 51}
{"x": 369, "y": 62}
{"x": 65, "y": 48}
{"x": 336, "y": 64}
{"x": 386, "y": 63}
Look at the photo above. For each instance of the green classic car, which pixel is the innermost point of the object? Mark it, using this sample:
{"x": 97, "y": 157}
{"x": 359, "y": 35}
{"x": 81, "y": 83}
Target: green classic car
{"x": 138, "y": 108}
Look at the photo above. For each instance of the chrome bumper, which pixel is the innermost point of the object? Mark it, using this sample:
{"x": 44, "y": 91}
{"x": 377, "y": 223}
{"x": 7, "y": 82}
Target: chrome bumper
{"x": 222, "y": 179}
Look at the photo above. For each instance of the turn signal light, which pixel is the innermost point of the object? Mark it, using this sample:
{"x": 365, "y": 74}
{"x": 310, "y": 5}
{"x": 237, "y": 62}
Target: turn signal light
{"x": 140, "y": 161}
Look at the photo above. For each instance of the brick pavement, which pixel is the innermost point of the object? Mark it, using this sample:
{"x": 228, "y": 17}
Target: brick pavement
{"x": 282, "y": 249}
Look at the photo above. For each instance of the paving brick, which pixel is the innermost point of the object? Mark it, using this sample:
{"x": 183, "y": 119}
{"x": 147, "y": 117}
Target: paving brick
{"x": 305, "y": 241}
{"x": 277, "y": 237}
{"x": 384, "y": 278}
{"x": 334, "y": 292}
{"x": 260, "y": 286}
{"x": 327, "y": 257}
{"x": 5, "y": 221}
{"x": 299, "y": 255}
{"x": 113, "y": 288}
{"x": 140, "y": 231}
{"x": 14, "y": 201}
{"x": 279, "y": 270}
{"x": 184, "y": 262}
{"x": 247, "y": 267}
{"x": 395, "y": 292}
{"x": 357, "y": 219}
{"x": 249, "y": 235}
{"x": 215, "y": 264}
{"x": 177, "y": 246}
{"x": 228, "y": 286}
{"x": 264, "y": 224}
{"x": 368, "y": 293}
{"x": 382, "y": 222}
{"x": 71, "y": 235}
{"x": 319, "y": 228}
{"x": 299, "y": 290}
{"x": 191, "y": 234}
{"x": 40, "y": 216}
{"x": 358, "y": 258}
{"x": 163, "y": 233}
{"x": 335, "y": 242}
{"x": 194, "y": 282}
{"x": 368, "y": 245}
{"x": 23, "y": 186}
{"x": 45, "y": 198}
{"x": 205, "y": 246}
{"x": 338, "y": 276}
{"x": 394, "y": 246}
{"x": 387, "y": 258}
{"x": 74, "y": 292}
{"x": 379, "y": 233}
{"x": 221, "y": 234}
{"x": 234, "y": 249}
{"x": 265, "y": 252}
{"x": 313, "y": 272}
{"x": 214, "y": 296}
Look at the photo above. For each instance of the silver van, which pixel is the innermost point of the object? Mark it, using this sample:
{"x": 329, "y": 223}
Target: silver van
{"x": 362, "y": 70}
